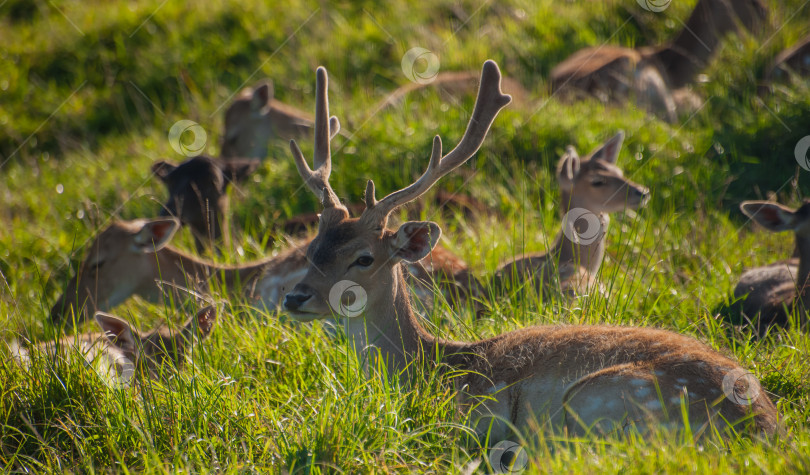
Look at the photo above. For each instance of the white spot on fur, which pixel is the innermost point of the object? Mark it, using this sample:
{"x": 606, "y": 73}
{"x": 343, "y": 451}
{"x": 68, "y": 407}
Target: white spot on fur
{"x": 642, "y": 392}
{"x": 675, "y": 399}
{"x": 682, "y": 380}
{"x": 499, "y": 386}
{"x": 653, "y": 404}
{"x": 638, "y": 382}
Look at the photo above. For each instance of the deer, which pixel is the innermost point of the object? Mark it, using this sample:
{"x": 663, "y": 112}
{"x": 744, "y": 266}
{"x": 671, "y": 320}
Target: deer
{"x": 255, "y": 117}
{"x": 198, "y": 193}
{"x": 657, "y": 77}
{"x": 579, "y": 378}
{"x": 770, "y": 293}
{"x": 122, "y": 349}
{"x": 128, "y": 257}
{"x": 591, "y": 188}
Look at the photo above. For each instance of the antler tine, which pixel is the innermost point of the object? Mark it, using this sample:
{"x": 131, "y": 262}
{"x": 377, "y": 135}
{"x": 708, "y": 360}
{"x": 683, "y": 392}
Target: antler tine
{"x": 489, "y": 102}
{"x": 325, "y": 129}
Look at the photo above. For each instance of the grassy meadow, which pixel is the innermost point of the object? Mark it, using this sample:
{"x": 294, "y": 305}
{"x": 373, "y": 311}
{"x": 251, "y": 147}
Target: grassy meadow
{"x": 89, "y": 91}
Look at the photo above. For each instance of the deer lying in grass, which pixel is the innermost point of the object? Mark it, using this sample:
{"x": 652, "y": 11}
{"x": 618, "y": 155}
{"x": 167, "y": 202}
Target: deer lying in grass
{"x": 129, "y": 257}
{"x": 591, "y": 188}
{"x": 121, "y": 349}
{"x": 198, "y": 193}
{"x": 579, "y": 377}
{"x": 256, "y": 117}
{"x": 656, "y": 77}
{"x": 772, "y": 292}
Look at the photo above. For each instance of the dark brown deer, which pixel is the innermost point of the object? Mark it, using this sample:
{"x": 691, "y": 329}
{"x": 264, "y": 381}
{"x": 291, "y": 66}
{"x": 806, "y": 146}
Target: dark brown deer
{"x": 198, "y": 193}
{"x": 656, "y": 76}
{"x": 579, "y": 378}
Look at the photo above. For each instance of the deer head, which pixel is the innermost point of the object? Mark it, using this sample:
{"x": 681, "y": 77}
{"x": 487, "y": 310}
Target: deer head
{"x": 247, "y": 122}
{"x": 363, "y": 251}
{"x": 157, "y": 347}
{"x": 119, "y": 262}
{"x": 595, "y": 182}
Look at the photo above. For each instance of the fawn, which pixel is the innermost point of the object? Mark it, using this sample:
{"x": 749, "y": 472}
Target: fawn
{"x": 591, "y": 188}
{"x": 578, "y": 377}
{"x": 772, "y": 291}
{"x": 121, "y": 349}
{"x": 657, "y": 76}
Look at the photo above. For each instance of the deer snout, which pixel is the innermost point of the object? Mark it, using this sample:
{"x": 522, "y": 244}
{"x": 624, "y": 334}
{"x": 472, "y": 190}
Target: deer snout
{"x": 640, "y": 193}
{"x": 294, "y": 300}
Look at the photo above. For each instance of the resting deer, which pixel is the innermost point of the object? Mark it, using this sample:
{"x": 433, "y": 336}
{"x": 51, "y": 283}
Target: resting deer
{"x": 198, "y": 193}
{"x": 657, "y": 76}
{"x": 256, "y": 117}
{"x": 578, "y": 377}
{"x": 591, "y": 188}
{"x": 129, "y": 257}
{"x": 772, "y": 292}
{"x": 122, "y": 349}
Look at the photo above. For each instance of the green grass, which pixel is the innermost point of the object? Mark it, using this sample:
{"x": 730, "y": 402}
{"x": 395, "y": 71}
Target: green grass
{"x": 90, "y": 90}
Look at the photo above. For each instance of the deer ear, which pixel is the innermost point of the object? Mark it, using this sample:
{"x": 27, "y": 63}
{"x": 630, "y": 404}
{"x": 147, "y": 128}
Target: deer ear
{"x": 204, "y": 321}
{"x": 414, "y": 240}
{"x": 569, "y": 165}
{"x": 155, "y": 235}
{"x": 117, "y": 331}
{"x": 262, "y": 95}
{"x": 162, "y": 169}
{"x": 609, "y": 151}
{"x": 237, "y": 170}
{"x": 771, "y": 216}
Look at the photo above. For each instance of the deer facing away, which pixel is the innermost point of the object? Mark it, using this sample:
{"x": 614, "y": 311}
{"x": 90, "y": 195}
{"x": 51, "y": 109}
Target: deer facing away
{"x": 591, "y": 188}
{"x": 122, "y": 349}
{"x": 657, "y": 76}
{"x": 581, "y": 377}
{"x": 770, "y": 292}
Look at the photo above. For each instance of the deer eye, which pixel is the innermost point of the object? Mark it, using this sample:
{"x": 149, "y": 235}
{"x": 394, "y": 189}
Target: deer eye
{"x": 363, "y": 261}
{"x": 96, "y": 265}
{"x": 598, "y": 182}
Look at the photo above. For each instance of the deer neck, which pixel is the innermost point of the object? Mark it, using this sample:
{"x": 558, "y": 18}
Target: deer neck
{"x": 391, "y": 325}
{"x": 581, "y": 252}
{"x": 173, "y": 265}
{"x": 694, "y": 46}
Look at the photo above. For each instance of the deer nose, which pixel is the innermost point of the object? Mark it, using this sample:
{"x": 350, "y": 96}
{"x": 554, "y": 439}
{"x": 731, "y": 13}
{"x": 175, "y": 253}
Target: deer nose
{"x": 294, "y": 301}
{"x": 641, "y": 192}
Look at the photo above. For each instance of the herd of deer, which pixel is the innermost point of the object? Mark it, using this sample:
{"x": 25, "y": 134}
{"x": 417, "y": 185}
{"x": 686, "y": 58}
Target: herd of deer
{"x": 579, "y": 379}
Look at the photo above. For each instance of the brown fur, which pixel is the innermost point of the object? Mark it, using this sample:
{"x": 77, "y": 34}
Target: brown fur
{"x": 653, "y": 75}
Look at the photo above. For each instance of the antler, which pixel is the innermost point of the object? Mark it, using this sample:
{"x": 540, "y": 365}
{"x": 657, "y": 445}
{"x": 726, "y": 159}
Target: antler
{"x": 325, "y": 130}
{"x": 489, "y": 102}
